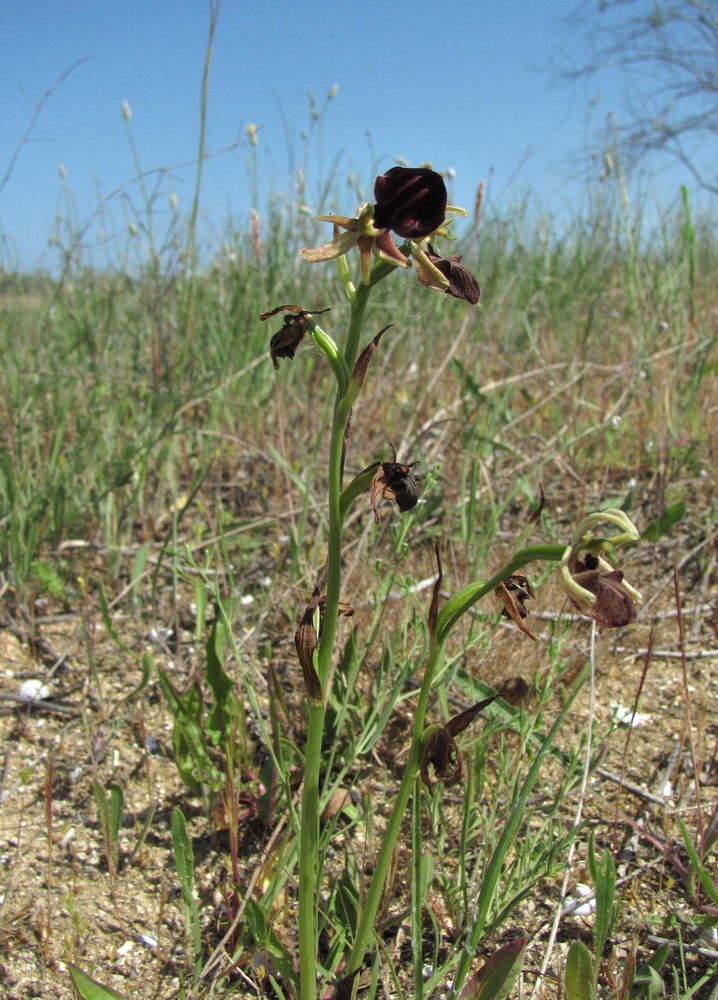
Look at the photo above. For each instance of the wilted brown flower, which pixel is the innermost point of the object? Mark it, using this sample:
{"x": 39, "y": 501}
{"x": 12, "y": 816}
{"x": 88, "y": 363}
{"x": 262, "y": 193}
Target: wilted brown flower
{"x": 514, "y": 592}
{"x": 305, "y": 638}
{"x": 285, "y": 342}
{"x": 395, "y": 482}
{"x": 441, "y": 750}
{"x": 446, "y": 274}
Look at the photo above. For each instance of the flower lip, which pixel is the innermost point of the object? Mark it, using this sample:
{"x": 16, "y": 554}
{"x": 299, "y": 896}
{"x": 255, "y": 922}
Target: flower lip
{"x": 411, "y": 201}
{"x": 457, "y": 279}
{"x": 595, "y": 587}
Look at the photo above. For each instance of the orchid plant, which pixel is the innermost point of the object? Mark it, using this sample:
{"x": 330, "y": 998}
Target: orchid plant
{"x": 412, "y": 204}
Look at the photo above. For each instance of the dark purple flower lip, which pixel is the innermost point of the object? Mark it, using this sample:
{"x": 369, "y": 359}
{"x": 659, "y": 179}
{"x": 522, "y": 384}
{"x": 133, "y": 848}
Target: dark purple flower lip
{"x": 462, "y": 283}
{"x": 411, "y": 201}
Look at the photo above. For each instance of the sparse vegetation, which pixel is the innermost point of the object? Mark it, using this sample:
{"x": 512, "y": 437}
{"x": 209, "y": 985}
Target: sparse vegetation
{"x": 163, "y": 525}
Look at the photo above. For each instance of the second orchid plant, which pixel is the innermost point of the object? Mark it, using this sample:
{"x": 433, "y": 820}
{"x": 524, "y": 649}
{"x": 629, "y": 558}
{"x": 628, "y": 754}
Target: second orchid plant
{"x": 412, "y": 204}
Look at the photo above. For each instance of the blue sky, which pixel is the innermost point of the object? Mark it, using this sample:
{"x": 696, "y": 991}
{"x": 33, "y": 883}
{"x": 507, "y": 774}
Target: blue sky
{"x": 457, "y": 85}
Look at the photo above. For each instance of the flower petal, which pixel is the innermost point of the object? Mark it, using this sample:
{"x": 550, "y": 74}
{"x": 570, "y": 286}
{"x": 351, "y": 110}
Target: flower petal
{"x": 339, "y": 245}
{"x": 411, "y": 201}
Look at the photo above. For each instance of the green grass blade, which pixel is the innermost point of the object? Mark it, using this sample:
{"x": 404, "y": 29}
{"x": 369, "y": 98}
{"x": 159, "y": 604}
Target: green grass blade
{"x": 90, "y": 989}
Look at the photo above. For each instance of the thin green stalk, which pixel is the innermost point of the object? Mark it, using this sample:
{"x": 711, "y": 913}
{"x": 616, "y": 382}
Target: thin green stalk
{"x": 342, "y": 365}
{"x": 492, "y": 874}
{"x": 447, "y": 618}
{"x": 417, "y": 896}
{"x": 376, "y": 887}
{"x": 309, "y": 837}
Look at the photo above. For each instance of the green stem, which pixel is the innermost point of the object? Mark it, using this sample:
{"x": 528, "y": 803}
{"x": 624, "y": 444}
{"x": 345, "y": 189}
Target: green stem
{"x": 393, "y": 829}
{"x": 465, "y": 599}
{"x": 343, "y": 365}
{"x": 309, "y": 836}
{"x": 449, "y": 615}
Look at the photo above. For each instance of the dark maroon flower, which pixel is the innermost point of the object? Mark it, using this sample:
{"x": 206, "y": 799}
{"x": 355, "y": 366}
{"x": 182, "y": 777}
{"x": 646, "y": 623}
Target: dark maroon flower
{"x": 411, "y": 201}
{"x": 594, "y": 585}
{"x": 461, "y": 282}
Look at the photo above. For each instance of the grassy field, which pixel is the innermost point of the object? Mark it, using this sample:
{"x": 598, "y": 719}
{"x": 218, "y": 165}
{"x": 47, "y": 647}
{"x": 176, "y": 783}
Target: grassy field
{"x": 163, "y": 523}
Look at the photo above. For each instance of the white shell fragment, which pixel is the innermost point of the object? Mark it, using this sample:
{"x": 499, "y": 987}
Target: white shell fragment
{"x": 33, "y": 690}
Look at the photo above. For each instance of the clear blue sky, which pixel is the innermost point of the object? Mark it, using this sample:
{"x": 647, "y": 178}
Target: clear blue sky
{"x": 456, "y": 85}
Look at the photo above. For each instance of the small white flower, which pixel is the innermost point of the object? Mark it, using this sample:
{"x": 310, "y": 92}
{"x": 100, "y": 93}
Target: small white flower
{"x": 158, "y": 635}
{"x": 622, "y": 716}
{"x": 245, "y": 600}
{"x": 126, "y": 110}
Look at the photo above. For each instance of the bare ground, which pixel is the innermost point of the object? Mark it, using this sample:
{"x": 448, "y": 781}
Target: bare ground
{"x": 60, "y": 904}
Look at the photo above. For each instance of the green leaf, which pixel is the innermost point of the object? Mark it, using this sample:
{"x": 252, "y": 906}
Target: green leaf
{"x": 663, "y": 524}
{"x": 649, "y": 982}
{"x": 705, "y": 879}
{"x": 188, "y": 744}
{"x": 579, "y": 972}
{"x": 183, "y": 854}
{"x": 498, "y": 973}
{"x": 117, "y": 803}
{"x": 184, "y": 864}
{"x": 592, "y": 863}
{"x": 139, "y": 563}
{"x": 90, "y": 989}
{"x": 346, "y": 904}
{"x": 147, "y": 668}
{"x": 142, "y": 835}
{"x": 107, "y": 622}
{"x": 225, "y": 704}
{"x": 267, "y": 940}
{"x": 605, "y": 894}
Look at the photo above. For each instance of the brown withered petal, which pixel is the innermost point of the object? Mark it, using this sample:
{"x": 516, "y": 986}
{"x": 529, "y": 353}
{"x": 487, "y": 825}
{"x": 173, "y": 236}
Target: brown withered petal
{"x": 362, "y": 363}
{"x": 411, "y": 201}
{"x": 513, "y": 593}
{"x": 394, "y": 482}
{"x": 462, "y": 283}
{"x": 443, "y": 754}
{"x": 305, "y": 641}
{"x": 305, "y": 638}
{"x": 614, "y": 607}
{"x": 458, "y": 723}
{"x": 285, "y": 342}
{"x": 442, "y": 751}
{"x": 434, "y": 606}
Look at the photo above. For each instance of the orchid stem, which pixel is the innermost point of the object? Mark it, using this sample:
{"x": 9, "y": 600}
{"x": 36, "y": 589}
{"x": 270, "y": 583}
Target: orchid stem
{"x": 342, "y": 365}
{"x": 449, "y": 615}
